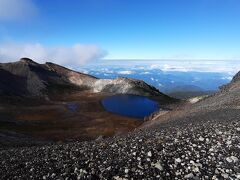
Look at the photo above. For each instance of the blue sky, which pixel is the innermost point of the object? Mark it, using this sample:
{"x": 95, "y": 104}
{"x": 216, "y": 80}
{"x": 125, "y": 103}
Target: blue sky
{"x": 119, "y": 29}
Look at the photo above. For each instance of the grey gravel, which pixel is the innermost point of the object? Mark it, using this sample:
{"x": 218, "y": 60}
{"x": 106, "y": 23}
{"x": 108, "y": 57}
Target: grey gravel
{"x": 177, "y": 150}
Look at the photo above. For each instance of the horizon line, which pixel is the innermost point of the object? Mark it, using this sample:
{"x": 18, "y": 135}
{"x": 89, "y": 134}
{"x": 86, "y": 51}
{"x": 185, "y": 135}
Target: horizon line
{"x": 164, "y": 59}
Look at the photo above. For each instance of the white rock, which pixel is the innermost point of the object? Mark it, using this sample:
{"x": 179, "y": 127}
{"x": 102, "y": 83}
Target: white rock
{"x": 178, "y": 160}
{"x": 201, "y": 139}
{"x": 229, "y": 142}
{"x": 158, "y": 166}
{"x": 224, "y": 175}
{"x": 235, "y": 159}
{"x": 126, "y": 171}
{"x": 196, "y": 169}
{"x": 149, "y": 154}
{"x": 177, "y": 173}
{"x": 118, "y": 178}
{"x": 211, "y": 149}
{"x": 214, "y": 177}
{"x": 188, "y": 176}
{"x": 192, "y": 162}
{"x": 218, "y": 132}
{"x": 229, "y": 159}
{"x": 238, "y": 176}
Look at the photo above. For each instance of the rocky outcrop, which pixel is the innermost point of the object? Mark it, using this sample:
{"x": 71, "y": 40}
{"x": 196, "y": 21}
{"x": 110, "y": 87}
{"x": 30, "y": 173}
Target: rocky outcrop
{"x": 236, "y": 77}
{"x": 235, "y": 83}
{"x": 41, "y": 79}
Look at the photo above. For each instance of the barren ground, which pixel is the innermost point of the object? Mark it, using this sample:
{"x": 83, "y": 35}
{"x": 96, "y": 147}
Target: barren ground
{"x": 53, "y": 120}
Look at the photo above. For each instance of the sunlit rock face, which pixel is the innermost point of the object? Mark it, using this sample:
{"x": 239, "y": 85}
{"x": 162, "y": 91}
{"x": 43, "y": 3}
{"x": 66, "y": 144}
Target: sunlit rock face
{"x": 125, "y": 86}
{"x": 99, "y": 85}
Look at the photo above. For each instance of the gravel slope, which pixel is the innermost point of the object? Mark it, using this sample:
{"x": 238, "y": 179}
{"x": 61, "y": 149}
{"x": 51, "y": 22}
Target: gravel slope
{"x": 177, "y": 150}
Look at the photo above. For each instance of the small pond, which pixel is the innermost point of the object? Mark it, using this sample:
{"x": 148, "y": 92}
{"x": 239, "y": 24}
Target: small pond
{"x": 130, "y": 105}
{"x": 71, "y": 106}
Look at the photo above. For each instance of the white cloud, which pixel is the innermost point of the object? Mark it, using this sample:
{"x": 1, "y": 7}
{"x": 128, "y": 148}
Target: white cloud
{"x": 229, "y": 66}
{"x": 146, "y": 72}
{"x": 76, "y": 54}
{"x": 227, "y": 78}
{"x": 154, "y": 66}
{"x": 11, "y": 10}
{"x": 125, "y": 72}
{"x": 153, "y": 79}
{"x": 166, "y": 67}
{"x": 106, "y": 70}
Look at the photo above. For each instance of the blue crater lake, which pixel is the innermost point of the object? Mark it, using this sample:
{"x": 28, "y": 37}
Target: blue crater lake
{"x": 130, "y": 105}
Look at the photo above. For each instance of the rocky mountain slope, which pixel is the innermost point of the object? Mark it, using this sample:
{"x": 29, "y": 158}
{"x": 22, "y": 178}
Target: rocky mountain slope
{"x": 28, "y": 78}
{"x": 233, "y": 85}
{"x": 194, "y": 141}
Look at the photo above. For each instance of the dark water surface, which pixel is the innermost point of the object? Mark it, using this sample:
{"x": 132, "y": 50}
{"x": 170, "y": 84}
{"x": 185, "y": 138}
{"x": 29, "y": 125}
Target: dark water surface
{"x": 130, "y": 105}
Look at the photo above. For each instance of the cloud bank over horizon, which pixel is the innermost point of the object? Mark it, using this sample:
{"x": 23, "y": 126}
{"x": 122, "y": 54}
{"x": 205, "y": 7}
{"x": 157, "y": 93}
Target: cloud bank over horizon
{"x": 149, "y": 66}
{"x": 14, "y": 10}
{"x": 77, "y": 54}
